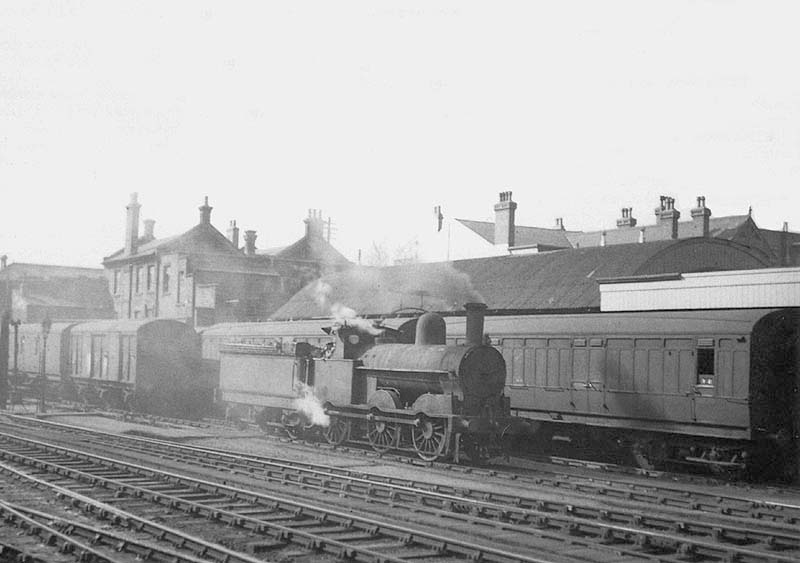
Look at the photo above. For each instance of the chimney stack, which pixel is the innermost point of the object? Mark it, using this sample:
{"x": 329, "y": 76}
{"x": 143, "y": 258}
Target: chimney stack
{"x": 700, "y": 216}
{"x": 627, "y": 219}
{"x": 250, "y": 243}
{"x": 233, "y": 234}
{"x": 560, "y": 223}
{"x": 785, "y": 259}
{"x": 504, "y": 212}
{"x": 205, "y": 213}
{"x": 149, "y": 227}
{"x": 3, "y": 262}
{"x": 475, "y": 316}
{"x": 132, "y": 224}
{"x": 315, "y": 225}
{"x": 666, "y": 214}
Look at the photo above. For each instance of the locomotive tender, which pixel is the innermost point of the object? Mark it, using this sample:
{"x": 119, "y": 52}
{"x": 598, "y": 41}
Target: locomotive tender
{"x": 426, "y": 397}
{"x": 144, "y": 365}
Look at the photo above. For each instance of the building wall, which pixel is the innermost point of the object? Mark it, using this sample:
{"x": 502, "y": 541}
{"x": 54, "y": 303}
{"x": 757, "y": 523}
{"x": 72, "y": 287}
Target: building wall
{"x": 773, "y": 287}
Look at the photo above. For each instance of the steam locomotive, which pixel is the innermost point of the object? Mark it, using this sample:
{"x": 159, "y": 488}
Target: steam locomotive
{"x": 426, "y": 397}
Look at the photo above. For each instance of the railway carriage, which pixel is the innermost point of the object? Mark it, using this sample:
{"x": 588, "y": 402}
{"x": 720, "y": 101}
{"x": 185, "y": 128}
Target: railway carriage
{"x": 145, "y": 365}
{"x": 29, "y": 354}
{"x": 717, "y": 388}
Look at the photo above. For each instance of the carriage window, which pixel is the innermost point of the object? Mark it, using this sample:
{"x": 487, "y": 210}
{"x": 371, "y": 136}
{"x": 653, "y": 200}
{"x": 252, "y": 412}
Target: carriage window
{"x": 705, "y": 366}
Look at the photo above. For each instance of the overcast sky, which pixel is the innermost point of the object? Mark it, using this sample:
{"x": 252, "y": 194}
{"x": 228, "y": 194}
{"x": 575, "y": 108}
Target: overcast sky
{"x": 375, "y": 112}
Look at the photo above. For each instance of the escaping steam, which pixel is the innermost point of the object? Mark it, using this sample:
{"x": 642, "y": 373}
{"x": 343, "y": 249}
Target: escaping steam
{"x": 342, "y": 314}
{"x": 310, "y": 406}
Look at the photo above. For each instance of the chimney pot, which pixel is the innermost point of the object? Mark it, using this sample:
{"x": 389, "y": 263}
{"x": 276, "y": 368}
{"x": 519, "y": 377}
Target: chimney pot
{"x": 205, "y": 212}
{"x": 667, "y": 214}
{"x": 132, "y": 224}
{"x": 700, "y": 216}
{"x": 627, "y": 219}
{"x": 233, "y": 234}
{"x": 149, "y": 229}
{"x": 504, "y": 213}
{"x": 250, "y": 243}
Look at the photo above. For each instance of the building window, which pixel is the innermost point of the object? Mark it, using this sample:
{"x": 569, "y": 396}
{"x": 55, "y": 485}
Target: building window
{"x": 181, "y": 276}
{"x": 146, "y": 312}
{"x": 165, "y": 280}
{"x": 151, "y": 270}
{"x": 138, "y": 279}
{"x": 705, "y": 366}
{"x": 116, "y": 282}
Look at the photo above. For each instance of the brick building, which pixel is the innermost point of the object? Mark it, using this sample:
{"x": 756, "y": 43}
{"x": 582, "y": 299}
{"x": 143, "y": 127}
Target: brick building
{"x": 203, "y": 277}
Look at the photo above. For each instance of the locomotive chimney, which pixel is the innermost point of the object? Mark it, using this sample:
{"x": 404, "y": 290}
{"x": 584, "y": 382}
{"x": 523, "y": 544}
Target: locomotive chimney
{"x": 475, "y": 314}
{"x": 430, "y": 330}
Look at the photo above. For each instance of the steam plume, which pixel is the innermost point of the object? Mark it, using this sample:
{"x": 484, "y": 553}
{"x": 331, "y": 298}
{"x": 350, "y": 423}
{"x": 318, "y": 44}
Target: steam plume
{"x": 310, "y": 406}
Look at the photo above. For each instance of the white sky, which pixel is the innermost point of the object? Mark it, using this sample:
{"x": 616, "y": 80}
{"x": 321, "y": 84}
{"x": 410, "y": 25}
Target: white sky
{"x": 375, "y": 112}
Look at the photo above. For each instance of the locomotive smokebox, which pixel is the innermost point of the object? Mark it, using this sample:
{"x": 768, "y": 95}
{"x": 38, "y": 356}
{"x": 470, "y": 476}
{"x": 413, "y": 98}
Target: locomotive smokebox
{"x": 431, "y": 329}
{"x": 475, "y": 314}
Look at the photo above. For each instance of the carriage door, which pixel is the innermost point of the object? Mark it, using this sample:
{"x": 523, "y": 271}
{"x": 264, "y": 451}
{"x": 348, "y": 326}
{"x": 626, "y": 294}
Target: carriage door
{"x": 97, "y": 356}
{"x": 680, "y": 377}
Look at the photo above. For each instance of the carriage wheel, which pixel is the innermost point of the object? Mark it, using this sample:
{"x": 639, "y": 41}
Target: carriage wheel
{"x": 429, "y": 436}
{"x": 476, "y": 451}
{"x": 383, "y": 436}
{"x": 293, "y": 424}
{"x": 338, "y": 431}
{"x": 648, "y": 454}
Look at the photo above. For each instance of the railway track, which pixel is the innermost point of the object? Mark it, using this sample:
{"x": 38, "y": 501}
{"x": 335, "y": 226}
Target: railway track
{"x": 628, "y": 525}
{"x": 277, "y": 520}
{"x": 686, "y": 497}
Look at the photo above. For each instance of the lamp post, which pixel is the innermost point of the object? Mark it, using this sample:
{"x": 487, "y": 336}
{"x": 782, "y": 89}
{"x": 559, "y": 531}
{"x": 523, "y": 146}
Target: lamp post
{"x": 46, "y": 325}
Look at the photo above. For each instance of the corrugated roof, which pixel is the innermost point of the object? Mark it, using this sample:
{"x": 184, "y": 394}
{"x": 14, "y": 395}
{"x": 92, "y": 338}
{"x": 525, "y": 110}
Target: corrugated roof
{"x": 558, "y": 280}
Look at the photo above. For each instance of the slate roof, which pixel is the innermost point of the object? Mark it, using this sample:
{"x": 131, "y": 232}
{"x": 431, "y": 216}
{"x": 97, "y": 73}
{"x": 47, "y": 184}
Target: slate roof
{"x": 78, "y": 292}
{"x": 200, "y": 238}
{"x": 775, "y": 240}
{"x": 550, "y": 281}
{"x": 523, "y": 236}
{"x": 718, "y": 227}
{"x": 22, "y": 270}
{"x": 727, "y": 227}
